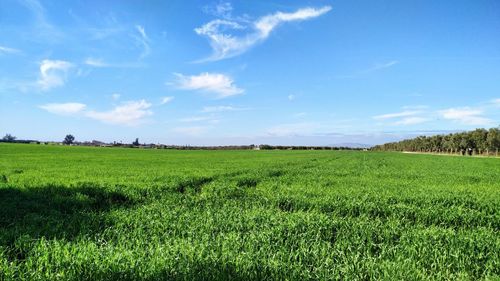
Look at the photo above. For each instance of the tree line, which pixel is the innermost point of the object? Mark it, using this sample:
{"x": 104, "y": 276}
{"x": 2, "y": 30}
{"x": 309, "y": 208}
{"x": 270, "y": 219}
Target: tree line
{"x": 477, "y": 142}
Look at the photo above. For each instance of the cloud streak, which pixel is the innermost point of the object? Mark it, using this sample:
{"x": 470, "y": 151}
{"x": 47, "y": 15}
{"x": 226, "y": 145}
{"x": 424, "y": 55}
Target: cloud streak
{"x": 466, "y": 116}
{"x": 8, "y": 51}
{"x": 216, "y": 84}
{"x": 405, "y": 113}
{"x": 381, "y": 66}
{"x": 226, "y": 45}
{"x": 143, "y": 40}
{"x": 99, "y": 63}
{"x": 221, "y": 108}
{"x": 69, "y": 108}
{"x": 411, "y": 121}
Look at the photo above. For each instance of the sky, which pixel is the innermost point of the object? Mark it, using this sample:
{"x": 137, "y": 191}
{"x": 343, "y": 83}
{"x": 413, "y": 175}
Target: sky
{"x": 248, "y": 72}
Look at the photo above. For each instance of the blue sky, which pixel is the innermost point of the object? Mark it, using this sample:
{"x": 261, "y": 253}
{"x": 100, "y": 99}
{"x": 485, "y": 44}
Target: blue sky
{"x": 242, "y": 72}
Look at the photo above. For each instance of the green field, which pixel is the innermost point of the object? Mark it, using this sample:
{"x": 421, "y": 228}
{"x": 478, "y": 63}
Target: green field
{"x": 78, "y": 213}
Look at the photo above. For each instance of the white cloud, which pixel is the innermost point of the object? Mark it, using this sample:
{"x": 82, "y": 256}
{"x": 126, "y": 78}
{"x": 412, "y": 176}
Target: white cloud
{"x": 95, "y": 62}
{"x": 115, "y": 96}
{"x": 221, "y": 108}
{"x": 411, "y": 121}
{"x": 69, "y": 108}
{"x": 495, "y": 102}
{"x": 7, "y": 50}
{"x": 291, "y": 97}
{"x": 466, "y": 115}
{"x": 52, "y": 73}
{"x": 166, "y": 100}
{"x": 191, "y": 131}
{"x": 129, "y": 113}
{"x": 226, "y": 45}
{"x": 405, "y": 113}
{"x": 143, "y": 40}
{"x": 216, "y": 83}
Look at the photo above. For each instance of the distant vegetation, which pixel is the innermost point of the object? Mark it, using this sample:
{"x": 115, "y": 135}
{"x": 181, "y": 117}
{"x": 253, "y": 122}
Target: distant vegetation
{"x": 479, "y": 141}
{"x": 86, "y": 213}
{"x": 9, "y": 138}
{"x": 70, "y": 140}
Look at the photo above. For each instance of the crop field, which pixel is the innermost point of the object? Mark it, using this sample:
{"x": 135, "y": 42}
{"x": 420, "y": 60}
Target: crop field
{"x": 81, "y": 213}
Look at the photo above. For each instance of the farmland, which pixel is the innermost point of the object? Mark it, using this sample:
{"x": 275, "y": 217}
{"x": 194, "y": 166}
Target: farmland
{"x": 81, "y": 213}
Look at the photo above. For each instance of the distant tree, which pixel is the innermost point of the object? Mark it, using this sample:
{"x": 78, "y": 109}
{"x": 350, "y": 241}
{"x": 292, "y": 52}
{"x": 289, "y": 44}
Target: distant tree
{"x": 9, "y": 138}
{"x": 493, "y": 140}
{"x": 69, "y": 139}
{"x": 478, "y": 141}
{"x": 136, "y": 142}
{"x": 479, "y": 137}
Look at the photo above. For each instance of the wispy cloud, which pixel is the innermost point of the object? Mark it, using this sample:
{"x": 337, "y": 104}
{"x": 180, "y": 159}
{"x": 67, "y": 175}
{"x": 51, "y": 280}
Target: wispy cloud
{"x": 53, "y": 74}
{"x": 380, "y": 66}
{"x": 222, "y": 108}
{"x": 226, "y": 45}
{"x": 115, "y": 96}
{"x": 291, "y": 97}
{"x": 406, "y": 117}
{"x": 99, "y": 63}
{"x": 411, "y": 121}
{"x": 143, "y": 40}
{"x": 7, "y": 51}
{"x": 69, "y": 108}
{"x": 165, "y": 100}
{"x": 466, "y": 116}
{"x": 405, "y": 113}
{"x": 44, "y": 29}
{"x": 95, "y": 62}
{"x": 221, "y": 9}
{"x": 130, "y": 113}
{"x": 222, "y": 86}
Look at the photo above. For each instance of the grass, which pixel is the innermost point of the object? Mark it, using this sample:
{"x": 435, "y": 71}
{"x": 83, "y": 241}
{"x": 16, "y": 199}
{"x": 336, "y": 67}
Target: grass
{"x": 79, "y": 213}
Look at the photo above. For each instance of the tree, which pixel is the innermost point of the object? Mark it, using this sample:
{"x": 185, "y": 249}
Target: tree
{"x": 9, "y": 138}
{"x": 68, "y": 139}
{"x": 493, "y": 140}
{"x": 136, "y": 142}
{"x": 479, "y": 136}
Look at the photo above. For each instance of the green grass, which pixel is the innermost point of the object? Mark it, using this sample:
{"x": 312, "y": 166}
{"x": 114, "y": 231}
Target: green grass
{"x": 76, "y": 213}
